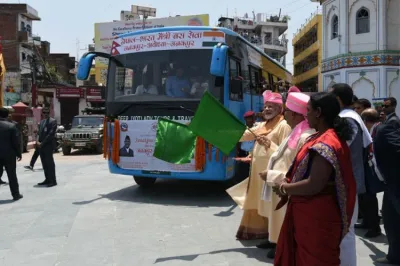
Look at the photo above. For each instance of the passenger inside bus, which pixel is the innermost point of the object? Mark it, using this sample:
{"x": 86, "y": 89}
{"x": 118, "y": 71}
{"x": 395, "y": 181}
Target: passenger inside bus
{"x": 146, "y": 87}
{"x": 177, "y": 86}
{"x": 200, "y": 85}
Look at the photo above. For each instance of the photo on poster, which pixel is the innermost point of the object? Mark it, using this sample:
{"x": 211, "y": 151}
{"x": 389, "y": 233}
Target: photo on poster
{"x": 126, "y": 150}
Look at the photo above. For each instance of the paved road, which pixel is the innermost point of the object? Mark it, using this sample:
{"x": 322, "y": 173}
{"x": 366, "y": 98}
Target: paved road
{"x": 94, "y": 218}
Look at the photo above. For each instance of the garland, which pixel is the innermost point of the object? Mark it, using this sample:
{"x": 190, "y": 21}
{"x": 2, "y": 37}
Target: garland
{"x": 200, "y": 154}
{"x": 115, "y": 148}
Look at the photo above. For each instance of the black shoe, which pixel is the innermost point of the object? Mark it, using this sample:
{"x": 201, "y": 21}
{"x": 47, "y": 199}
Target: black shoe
{"x": 2, "y": 182}
{"x": 44, "y": 183}
{"x": 52, "y": 184}
{"x": 373, "y": 233}
{"x": 266, "y": 245}
{"x": 360, "y": 226}
{"x": 271, "y": 254}
{"x": 28, "y": 167}
{"x": 18, "y": 197}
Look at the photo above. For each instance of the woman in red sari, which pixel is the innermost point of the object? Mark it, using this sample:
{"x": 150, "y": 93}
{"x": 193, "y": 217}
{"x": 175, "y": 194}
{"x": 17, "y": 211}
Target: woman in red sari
{"x": 320, "y": 191}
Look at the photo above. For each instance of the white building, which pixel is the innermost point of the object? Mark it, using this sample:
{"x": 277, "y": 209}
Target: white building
{"x": 265, "y": 31}
{"x": 361, "y": 46}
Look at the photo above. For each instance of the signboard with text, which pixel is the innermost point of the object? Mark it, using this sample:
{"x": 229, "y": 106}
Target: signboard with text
{"x": 138, "y": 155}
{"x": 105, "y": 34}
{"x": 93, "y": 95}
{"x": 169, "y": 40}
{"x": 69, "y": 93}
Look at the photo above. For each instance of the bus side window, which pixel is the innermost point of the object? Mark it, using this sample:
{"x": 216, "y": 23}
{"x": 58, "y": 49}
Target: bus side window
{"x": 236, "y": 81}
{"x": 255, "y": 80}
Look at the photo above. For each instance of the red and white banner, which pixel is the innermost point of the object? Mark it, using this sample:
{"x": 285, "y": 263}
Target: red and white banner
{"x": 93, "y": 95}
{"x": 169, "y": 40}
{"x": 67, "y": 92}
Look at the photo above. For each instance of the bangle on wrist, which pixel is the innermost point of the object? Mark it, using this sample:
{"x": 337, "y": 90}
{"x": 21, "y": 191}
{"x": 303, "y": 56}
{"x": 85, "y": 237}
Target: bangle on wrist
{"x": 282, "y": 189}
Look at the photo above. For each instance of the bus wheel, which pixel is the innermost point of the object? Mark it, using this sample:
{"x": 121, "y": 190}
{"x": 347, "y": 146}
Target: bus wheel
{"x": 144, "y": 181}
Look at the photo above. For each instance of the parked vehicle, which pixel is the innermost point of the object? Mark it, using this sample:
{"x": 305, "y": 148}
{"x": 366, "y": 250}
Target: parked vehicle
{"x": 86, "y": 133}
{"x": 59, "y": 137}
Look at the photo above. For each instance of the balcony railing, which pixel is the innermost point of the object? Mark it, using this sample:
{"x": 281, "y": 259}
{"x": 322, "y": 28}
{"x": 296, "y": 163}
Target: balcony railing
{"x": 276, "y": 41}
{"x": 261, "y": 17}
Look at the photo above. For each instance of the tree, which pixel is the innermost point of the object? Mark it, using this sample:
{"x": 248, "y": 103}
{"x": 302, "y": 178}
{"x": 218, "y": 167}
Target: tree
{"x": 51, "y": 74}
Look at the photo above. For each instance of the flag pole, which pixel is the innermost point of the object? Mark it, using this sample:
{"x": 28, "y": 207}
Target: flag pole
{"x": 252, "y": 132}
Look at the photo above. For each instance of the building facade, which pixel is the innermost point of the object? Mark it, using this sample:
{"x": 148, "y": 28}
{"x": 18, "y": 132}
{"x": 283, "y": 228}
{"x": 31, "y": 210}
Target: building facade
{"x": 362, "y": 47}
{"x": 307, "y": 54}
{"x": 19, "y": 44}
{"x": 265, "y": 31}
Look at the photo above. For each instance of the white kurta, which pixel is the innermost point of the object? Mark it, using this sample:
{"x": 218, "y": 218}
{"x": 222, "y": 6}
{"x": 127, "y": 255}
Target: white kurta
{"x": 278, "y": 166}
{"x": 246, "y": 195}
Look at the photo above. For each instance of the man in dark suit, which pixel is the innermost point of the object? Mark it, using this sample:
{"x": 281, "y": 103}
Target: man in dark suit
{"x": 45, "y": 144}
{"x": 10, "y": 151}
{"x": 126, "y": 151}
{"x": 387, "y": 153}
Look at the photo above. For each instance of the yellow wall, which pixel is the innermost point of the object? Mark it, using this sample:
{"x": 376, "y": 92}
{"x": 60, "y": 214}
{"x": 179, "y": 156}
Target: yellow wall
{"x": 317, "y": 46}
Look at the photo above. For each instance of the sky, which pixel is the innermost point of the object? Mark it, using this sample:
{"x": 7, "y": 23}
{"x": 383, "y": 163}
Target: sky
{"x": 64, "y": 23}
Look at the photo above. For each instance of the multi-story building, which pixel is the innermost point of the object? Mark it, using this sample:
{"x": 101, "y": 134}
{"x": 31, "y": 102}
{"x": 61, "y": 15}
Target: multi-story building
{"x": 265, "y": 31}
{"x": 307, "y": 54}
{"x": 361, "y": 46}
{"x": 16, "y": 25}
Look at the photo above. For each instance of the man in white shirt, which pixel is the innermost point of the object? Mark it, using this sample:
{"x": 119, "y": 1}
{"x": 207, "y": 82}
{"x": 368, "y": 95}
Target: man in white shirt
{"x": 146, "y": 88}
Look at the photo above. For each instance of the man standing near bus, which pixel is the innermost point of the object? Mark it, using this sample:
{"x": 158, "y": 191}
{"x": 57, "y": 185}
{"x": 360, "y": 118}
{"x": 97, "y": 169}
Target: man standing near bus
{"x": 247, "y": 194}
{"x": 45, "y": 144}
{"x": 295, "y": 113}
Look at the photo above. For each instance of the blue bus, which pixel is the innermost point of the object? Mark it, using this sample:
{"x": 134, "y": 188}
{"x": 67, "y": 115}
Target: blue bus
{"x": 163, "y": 72}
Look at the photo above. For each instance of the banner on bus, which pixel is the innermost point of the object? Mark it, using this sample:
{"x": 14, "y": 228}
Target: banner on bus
{"x": 169, "y": 40}
{"x": 137, "y": 139}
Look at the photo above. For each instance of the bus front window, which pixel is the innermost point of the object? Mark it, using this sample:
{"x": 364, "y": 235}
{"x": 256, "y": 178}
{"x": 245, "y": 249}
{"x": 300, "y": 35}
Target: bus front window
{"x": 161, "y": 76}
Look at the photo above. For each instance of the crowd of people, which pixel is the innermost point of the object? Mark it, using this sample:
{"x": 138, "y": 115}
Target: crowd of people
{"x": 316, "y": 164}
{"x": 10, "y": 151}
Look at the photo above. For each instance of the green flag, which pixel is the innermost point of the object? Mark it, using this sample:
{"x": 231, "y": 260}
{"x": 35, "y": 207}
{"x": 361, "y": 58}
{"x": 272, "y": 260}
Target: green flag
{"x": 214, "y": 123}
{"x": 175, "y": 143}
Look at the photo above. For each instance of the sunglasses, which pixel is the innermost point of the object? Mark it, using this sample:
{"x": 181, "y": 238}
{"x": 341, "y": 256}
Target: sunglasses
{"x": 386, "y": 106}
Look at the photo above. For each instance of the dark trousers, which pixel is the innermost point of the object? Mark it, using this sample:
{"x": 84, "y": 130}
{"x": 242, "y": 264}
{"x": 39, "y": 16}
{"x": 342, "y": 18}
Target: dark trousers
{"x": 368, "y": 203}
{"x": 35, "y": 156}
{"x": 391, "y": 220}
{"x": 49, "y": 167}
{"x": 10, "y": 164}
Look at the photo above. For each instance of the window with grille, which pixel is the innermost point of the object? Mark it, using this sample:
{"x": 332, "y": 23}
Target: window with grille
{"x": 362, "y": 21}
{"x": 335, "y": 27}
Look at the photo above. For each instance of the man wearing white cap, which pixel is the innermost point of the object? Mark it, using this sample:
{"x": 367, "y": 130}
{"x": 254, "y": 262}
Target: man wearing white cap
{"x": 295, "y": 112}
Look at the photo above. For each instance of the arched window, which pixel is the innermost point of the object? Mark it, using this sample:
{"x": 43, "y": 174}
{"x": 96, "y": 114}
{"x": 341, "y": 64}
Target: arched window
{"x": 335, "y": 27}
{"x": 362, "y": 21}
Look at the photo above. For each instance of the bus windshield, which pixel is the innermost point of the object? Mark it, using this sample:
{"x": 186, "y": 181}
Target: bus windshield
{"x": 161, "y": 76}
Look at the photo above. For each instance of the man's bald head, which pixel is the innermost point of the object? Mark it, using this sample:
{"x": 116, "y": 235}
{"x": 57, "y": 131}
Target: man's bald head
{"x": 370, "y": 117}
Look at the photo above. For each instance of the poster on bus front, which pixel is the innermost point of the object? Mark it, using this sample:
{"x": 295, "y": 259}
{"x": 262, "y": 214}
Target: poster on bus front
{"x": 137, "y": 142}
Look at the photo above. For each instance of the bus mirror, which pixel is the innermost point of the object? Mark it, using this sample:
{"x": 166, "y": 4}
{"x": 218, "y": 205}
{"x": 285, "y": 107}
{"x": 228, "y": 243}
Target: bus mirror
{"x": 85, "y": 64}
{"x": 218, "y": 60}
